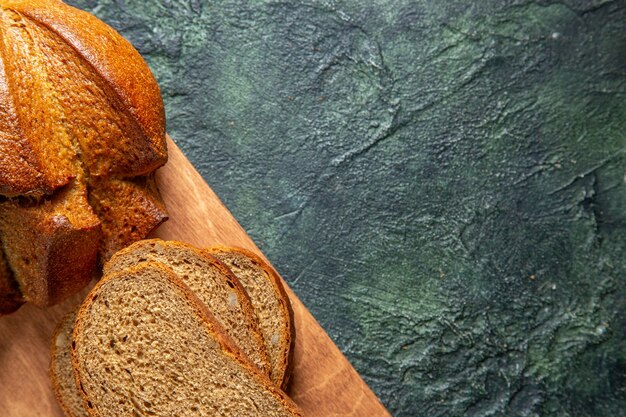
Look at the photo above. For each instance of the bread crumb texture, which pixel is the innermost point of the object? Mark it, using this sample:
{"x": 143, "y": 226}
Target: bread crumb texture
{"x": 271, "y": 306}
{"x": 212, "y": 282}
{"x": 144, "y": 345}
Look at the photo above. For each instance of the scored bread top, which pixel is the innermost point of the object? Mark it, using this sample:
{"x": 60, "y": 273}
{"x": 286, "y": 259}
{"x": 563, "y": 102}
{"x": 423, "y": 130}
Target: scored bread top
{"x": 79, "y": 110}
{"x": 113, "y": 58}
{"x": 271, "y": 305}
{"x": 213, "y": 283}
{"x": 71, "y": 79}
{"x": 144, "y": 344}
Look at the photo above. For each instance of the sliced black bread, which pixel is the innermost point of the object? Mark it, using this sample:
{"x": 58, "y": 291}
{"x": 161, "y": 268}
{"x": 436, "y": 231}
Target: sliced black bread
{"x": 145, "y": 345}
{"x": 61, "y": 372}
{"x": 271, "y": 306}
{"x": 212, "y": 282}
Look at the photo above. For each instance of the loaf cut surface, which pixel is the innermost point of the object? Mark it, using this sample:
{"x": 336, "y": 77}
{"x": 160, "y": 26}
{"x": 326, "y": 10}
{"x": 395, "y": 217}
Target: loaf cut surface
{"x": 212, "y": 282}
{"x": 271, "y": 306}
{"x": 144, "y": 345}
{"x": 61, "y": 372}
{"x": 82, "y": 124}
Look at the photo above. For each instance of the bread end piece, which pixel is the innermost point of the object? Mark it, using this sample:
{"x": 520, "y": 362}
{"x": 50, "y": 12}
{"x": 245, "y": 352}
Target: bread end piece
{"x": 265, "y": 286}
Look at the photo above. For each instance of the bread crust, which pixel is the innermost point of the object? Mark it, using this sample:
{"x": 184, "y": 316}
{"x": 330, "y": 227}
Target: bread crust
{"x": 31, "y": 116}
{"x": 114, "y": 59}
{"x": 200, "y": 310}
{"x": 50, "y": 247}
{"x": 283, "y": 298}
{"x": 21, "y": 169}
{"x": 57, "y": 63}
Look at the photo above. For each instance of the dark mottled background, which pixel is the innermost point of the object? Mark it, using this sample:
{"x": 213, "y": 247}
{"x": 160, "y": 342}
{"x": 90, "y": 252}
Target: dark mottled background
{"x": 443, "y": 183}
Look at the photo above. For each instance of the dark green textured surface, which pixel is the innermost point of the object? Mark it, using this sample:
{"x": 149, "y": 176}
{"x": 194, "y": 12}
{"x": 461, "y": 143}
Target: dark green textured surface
{"x": 443, "y": 183}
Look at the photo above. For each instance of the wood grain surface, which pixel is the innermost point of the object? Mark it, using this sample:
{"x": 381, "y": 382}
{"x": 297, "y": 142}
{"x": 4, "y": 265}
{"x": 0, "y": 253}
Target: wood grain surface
{"x": 323, "y": 383}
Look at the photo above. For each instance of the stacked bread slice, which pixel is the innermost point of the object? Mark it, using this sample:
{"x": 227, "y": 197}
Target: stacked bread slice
{"x": 271, "y": 304}
{"x": 171, "y": 330}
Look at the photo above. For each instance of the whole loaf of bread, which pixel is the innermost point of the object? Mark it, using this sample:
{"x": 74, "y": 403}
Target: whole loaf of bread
{"x": 82, "y": 130}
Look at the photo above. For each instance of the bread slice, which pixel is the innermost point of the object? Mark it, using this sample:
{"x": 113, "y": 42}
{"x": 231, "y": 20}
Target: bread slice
{"x": 213, "y": 283}
{"x": 61, "y": 372}
{"x": 144, "y": 345}
{"x": 271, "y": 306}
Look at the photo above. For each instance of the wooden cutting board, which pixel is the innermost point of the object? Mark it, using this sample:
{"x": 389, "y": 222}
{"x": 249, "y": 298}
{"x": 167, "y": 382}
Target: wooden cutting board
{"x": 323, "y": 382}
